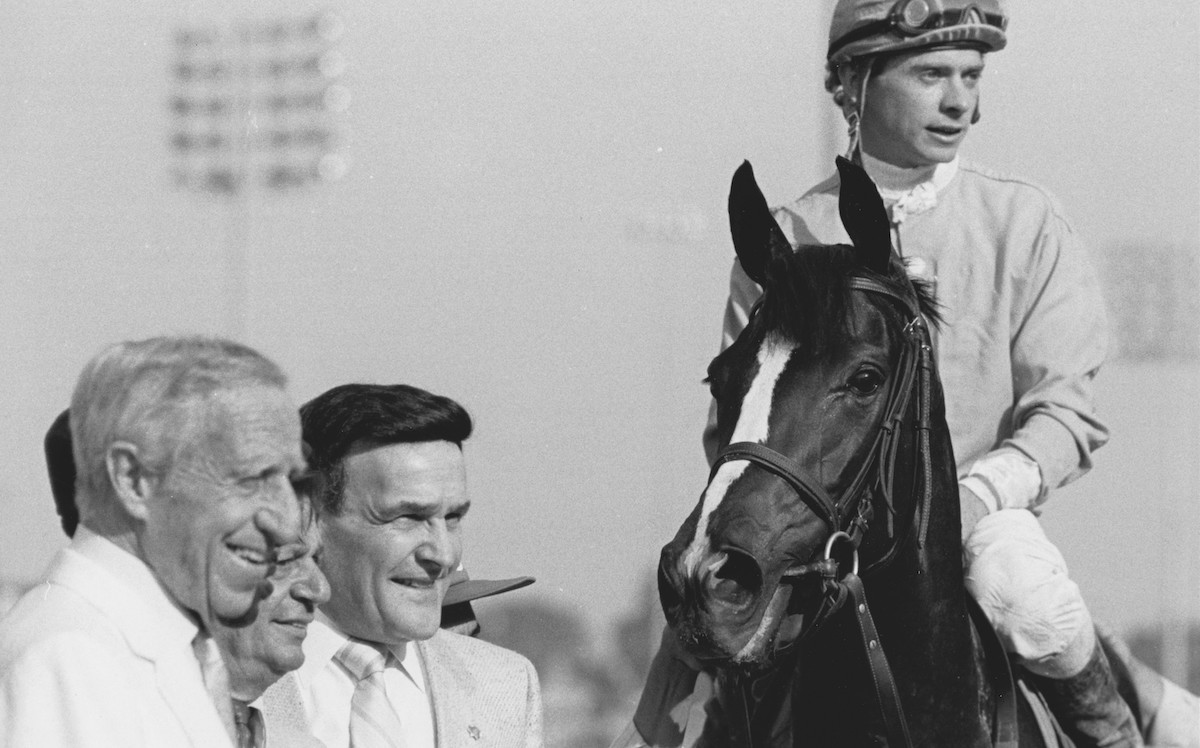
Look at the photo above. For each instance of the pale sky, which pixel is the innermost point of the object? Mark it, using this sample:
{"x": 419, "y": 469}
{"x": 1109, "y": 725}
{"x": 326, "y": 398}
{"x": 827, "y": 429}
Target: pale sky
{"x": 533, "y": 222}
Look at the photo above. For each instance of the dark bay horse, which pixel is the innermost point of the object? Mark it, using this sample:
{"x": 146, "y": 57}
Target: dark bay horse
{"x": 835, "y": 466}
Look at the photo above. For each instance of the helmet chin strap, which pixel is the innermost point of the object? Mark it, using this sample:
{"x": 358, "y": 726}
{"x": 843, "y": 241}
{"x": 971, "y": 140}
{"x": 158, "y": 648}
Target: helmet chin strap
{"x": 854, "y": 119}
{"x": 853, "y": 150}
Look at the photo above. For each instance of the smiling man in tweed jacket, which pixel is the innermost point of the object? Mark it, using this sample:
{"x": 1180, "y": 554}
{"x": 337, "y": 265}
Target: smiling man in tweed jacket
{"x": 391, "y": 496}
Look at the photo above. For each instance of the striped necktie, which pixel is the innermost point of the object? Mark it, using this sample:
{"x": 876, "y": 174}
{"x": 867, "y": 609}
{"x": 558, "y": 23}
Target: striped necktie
{"x": 251, "y": 732}
{"x": 373, "y": 721}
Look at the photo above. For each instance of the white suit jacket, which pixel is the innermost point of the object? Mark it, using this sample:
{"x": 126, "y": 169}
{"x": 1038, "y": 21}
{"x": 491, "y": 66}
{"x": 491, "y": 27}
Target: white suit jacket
{"x": 98, "y": 656}
{"x": 483, "y": 696}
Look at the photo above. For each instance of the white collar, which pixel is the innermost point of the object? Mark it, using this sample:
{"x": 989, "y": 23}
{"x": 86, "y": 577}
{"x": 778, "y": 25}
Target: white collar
{"x": 908, "y": 192}
{"x": 324, "y": 639}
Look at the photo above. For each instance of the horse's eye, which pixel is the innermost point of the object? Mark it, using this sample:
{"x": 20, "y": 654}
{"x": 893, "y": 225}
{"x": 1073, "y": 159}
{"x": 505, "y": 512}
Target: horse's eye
{"x": 865, "y": 381}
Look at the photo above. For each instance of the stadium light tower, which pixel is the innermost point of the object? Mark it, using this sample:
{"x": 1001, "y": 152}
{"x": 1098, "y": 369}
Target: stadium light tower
{"x": 254, "y": 112}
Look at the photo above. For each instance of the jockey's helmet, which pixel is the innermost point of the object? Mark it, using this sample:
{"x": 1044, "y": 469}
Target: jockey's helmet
{"x": 865, "y": 28}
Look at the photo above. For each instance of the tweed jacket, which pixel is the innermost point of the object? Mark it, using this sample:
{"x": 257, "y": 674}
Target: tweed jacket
{"x": 483, "y": 696}
{"x": 97, "y": 656}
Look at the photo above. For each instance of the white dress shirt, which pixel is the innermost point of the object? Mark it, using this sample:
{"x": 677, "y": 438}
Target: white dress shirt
{"x": 327, "y": 689}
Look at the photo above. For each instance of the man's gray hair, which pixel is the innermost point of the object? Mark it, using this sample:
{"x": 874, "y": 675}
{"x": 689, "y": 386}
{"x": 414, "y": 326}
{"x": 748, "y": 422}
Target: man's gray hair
{"x": 139, "y": 391}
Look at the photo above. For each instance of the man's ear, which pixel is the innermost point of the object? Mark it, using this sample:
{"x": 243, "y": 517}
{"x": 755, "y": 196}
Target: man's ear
{"x": 129, "y": 477}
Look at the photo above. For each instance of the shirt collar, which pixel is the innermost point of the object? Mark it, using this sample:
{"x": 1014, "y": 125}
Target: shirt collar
{"x": 894, "y": 181}
{"x": 324, "y": 639}
{"x": 909, "y": 192}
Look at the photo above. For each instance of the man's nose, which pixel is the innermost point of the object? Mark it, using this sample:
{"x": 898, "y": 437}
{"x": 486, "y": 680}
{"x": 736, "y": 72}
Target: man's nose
{"x": 957, "y": 98}
{"x": 440, "y": 548}
{"x": 279, "y": 522}
{"x": 312, "y": 587}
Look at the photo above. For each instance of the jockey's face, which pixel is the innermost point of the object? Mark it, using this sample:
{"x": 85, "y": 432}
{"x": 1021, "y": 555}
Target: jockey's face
{"x": 919, "y": 106}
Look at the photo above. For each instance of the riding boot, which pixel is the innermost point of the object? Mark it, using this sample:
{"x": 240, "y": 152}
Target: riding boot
{"x": 1089, "y": 708}
{"x": 1169, "y": 716}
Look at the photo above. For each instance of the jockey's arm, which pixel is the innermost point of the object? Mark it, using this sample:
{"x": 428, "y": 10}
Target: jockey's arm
{"x": 1057, "y": 347}
{"x": 1060, "y": 335}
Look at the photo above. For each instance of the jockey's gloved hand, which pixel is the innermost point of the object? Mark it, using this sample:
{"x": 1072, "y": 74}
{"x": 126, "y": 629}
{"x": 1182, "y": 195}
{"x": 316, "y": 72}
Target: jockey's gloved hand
{"x": 1020, "y": 580}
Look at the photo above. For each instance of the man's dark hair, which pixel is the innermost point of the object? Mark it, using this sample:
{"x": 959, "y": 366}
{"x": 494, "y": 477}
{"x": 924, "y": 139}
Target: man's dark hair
{"x": 352, "y": 416}
{"x": 60, "y": 464}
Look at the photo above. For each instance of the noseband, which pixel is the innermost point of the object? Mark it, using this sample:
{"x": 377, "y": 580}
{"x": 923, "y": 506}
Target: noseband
{"x": 847, "y": 516}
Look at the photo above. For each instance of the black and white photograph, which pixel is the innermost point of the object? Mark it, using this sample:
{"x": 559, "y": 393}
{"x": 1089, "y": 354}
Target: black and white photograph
{"x": 659, "y": 374}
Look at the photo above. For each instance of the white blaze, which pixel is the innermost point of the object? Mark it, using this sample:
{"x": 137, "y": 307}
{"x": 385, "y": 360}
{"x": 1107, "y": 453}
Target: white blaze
{"x": 752, "y": 426}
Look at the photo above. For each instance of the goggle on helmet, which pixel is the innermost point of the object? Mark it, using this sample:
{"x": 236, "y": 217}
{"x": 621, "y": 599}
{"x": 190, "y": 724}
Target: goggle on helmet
{"x": 872, "y": 27}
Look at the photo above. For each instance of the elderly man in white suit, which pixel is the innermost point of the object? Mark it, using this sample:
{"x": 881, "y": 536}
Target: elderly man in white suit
{"x": 186, "y": 449}
{"x": 378, "y": 671}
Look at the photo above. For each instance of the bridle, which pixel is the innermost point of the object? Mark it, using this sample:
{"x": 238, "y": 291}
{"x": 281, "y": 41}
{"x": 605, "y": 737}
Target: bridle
{"x": 848, "y": 513}
{"x": 847, "y": 517}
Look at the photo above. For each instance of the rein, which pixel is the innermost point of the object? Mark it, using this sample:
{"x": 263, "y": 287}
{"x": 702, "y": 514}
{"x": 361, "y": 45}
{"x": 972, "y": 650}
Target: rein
{"x": 847, "y": 516}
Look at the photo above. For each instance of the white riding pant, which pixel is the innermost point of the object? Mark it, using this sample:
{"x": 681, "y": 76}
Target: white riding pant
{"x": 1020, "y": 580}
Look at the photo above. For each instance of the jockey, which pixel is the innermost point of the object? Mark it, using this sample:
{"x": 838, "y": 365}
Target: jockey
{"x": 1022, "y": 340}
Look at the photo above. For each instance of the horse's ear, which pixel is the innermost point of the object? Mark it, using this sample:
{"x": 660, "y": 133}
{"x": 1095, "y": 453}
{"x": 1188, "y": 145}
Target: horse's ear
{"x": 864, "y": 217}
{"x": 756, "y": 236}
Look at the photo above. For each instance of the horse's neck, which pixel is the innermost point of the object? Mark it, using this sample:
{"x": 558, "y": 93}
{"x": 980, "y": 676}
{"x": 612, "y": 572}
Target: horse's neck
{"x": 920, "y": 607}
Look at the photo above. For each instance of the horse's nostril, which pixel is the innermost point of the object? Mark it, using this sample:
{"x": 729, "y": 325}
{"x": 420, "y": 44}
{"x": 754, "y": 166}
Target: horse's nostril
{"x": 728, "y": 591}
{"x": 736, "y": 580}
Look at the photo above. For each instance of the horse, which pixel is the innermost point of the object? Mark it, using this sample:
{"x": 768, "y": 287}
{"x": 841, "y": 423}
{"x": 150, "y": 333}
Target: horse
{"x": 821, "y": 572}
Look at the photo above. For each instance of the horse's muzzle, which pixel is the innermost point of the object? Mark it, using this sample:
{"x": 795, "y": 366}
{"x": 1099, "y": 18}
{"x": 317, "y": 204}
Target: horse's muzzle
{"x": 714, "y": 606}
